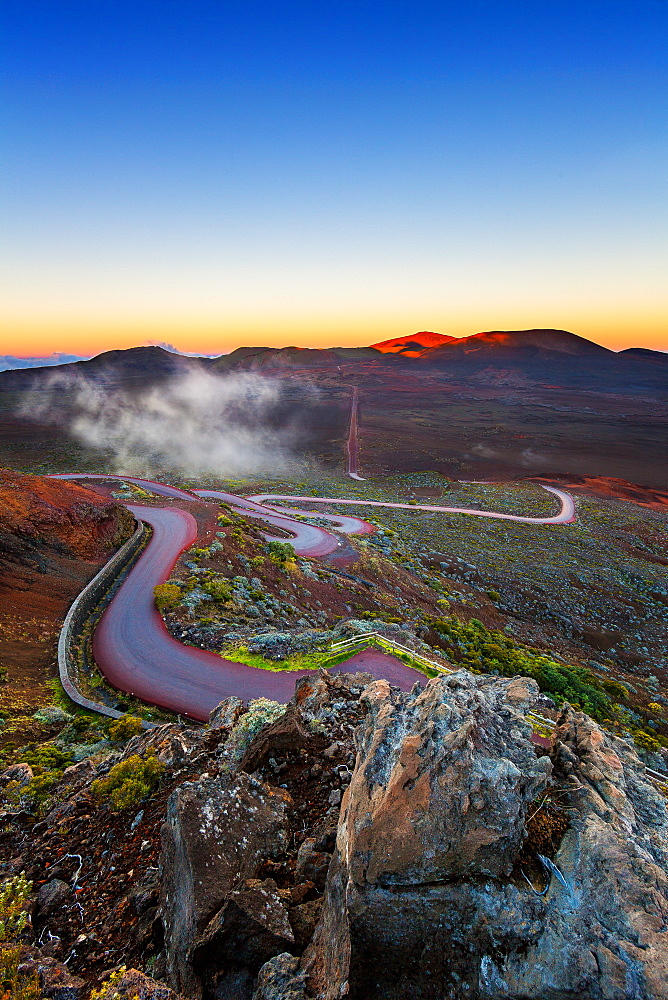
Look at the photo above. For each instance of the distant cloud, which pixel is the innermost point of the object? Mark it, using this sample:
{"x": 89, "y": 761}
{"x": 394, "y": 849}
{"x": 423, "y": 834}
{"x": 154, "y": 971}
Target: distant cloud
{"x": 201, "y": 423}
{"x": 174, "y": 350}
{"x": 8, "y": 362}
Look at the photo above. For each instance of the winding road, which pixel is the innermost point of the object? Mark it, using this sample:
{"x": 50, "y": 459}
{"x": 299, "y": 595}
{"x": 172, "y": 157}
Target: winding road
{"x": 565, "y": 516}
{"x": 352, "y": 444}
{"x": 136, "y": 653}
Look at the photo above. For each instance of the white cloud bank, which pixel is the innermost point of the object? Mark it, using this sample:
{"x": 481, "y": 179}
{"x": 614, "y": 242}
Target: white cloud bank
{"x": 198, "y": 423}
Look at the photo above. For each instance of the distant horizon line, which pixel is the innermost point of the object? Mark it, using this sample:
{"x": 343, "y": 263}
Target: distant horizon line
{"x": 10, "y": 362}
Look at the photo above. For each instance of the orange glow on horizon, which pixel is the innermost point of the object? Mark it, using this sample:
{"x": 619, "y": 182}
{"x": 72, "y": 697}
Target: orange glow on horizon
{"x": 34, "y": 339}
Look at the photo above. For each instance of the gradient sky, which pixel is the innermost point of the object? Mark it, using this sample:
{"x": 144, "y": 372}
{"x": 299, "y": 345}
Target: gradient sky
{"x": 320, "y": 173}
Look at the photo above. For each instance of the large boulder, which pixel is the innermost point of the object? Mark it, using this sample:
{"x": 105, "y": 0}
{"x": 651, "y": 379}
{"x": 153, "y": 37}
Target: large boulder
{"x": 442, "y": 783}
{"x": 217, "y": 833}
{"x": 428, "y": 894}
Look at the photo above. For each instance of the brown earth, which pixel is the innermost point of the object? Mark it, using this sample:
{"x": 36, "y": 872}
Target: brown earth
{"x": 607, "y": 487}
{"x": 54, "y": 536}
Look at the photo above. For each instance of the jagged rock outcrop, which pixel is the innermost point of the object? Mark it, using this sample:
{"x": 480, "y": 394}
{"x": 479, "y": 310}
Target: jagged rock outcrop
{"x": 250, "y": 928}
{"x": 604, "y": 933}
{"x": 425, "y": 882}
{"x": 427, "y": 895}
{"x": 442, "y": 782}
{"x": 217, "y": 832}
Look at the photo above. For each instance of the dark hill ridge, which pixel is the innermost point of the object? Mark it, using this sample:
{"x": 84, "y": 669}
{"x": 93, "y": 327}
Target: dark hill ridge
{"x": 542, "y": 355}
{"x": 644, "y": 354}
{"x": 131, "y": 366}
{"x": 290, "y": 357}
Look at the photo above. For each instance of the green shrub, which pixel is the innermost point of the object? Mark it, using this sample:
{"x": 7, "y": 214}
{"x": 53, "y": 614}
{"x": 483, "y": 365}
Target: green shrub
{"x": 615, "y": 689}
{"x": 473, "y": 646}
{"x": 645, "y": 741}
{"x": 45, "y": 757}
{"x": 220, "y": 590}
{"x": 129, "y": 781}
{"x": 124, "y": 728}
{"x": 167, "y": 596}
{"x": 281, "y": 551}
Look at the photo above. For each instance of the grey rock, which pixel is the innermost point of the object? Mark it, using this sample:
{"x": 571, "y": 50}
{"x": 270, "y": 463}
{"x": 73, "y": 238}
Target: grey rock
{"x": 226, "y": 714}
{"x": 403, "y": 916}
{"x": 217, "y": 833}
{"x": 280, "y": 979}
{"x": 51, "y": 896}
{"x": 443, "y": 781}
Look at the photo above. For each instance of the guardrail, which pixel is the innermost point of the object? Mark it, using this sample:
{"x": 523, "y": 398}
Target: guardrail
{"x": 365, "y": 639}
{"x": 79, "y": 613}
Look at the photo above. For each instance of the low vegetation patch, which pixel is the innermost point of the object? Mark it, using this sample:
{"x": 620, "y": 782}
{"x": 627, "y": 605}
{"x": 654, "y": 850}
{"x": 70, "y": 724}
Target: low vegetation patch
{"x": 167, "y": 596}
{"x": 482, "y": 650}
{"x": 14, "y": 901}
{"x": 129, "y": 782}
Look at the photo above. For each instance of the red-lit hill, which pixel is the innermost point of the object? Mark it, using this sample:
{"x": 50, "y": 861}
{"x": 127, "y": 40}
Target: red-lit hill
{"x": 552, "y": 357}
{"x": 499, "y": 344}
{"x": 414, "y": 345}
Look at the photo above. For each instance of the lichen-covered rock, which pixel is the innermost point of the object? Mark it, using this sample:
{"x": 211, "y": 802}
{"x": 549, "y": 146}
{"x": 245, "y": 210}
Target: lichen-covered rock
{"x": 402, "y": 916}
{"x": 316, "y": 694}
{"x": 604, "y": 932}
{"x": 217, "y": 833}
{"x": 22, "y": 774}
{"x": 280, "y": 979}
{"x": 226, "y": 714}
{"x": 175, "y": 746}
{"x": 289, "y": 732}
{"x": 442, "y": 782}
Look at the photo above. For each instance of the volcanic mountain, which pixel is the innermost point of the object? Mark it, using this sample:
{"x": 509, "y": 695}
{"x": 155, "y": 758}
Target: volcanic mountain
{"x": 414, "y": 345}
{"x": 529, "y": 344}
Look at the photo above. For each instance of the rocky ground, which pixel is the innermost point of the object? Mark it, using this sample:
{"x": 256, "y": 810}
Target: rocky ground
{"x": 359, "y": 841}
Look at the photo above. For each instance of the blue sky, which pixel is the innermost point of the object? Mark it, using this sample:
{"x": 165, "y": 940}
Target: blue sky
{"x": 215, "y": 174}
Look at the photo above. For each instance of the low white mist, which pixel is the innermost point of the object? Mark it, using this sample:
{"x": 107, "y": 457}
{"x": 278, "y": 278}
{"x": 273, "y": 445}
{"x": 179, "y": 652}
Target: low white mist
{"x": 197, "y": 423}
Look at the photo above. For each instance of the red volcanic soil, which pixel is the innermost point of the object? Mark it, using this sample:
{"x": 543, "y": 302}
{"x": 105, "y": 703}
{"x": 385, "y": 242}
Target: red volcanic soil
{"x": 35, "y": 510}
{"x": 54, "y": 536}
{"x": 606, "y": 488}
{"x": 413, "y": 345}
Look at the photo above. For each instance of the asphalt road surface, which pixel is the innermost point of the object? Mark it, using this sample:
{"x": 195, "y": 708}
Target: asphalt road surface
{"x": 136, "y": 653}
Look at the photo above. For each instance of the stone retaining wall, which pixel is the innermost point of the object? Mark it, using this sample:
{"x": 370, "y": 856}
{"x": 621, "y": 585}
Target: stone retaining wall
{"x": 78, "y": 615}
